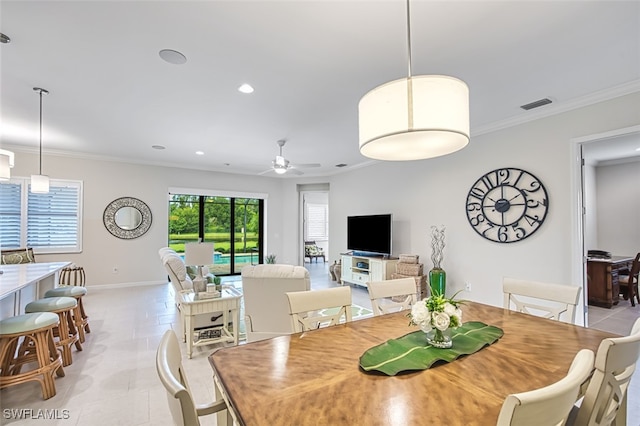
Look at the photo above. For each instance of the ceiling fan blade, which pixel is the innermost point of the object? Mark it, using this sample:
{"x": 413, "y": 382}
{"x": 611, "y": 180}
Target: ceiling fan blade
{"x": 306, "y": 166}
{"x": 265, "y": 172}
{"x": 294, "y": 171}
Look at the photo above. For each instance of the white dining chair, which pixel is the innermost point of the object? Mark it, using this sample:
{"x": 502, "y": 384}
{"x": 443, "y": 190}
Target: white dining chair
{"x": 526, "y": 296}
{"x": 392, "y": 295}
{"x": 551, "y": 404}
{"x": 605, "y": 400}
{"x": 312, "y": 309}
{"x": 183, "y": 409}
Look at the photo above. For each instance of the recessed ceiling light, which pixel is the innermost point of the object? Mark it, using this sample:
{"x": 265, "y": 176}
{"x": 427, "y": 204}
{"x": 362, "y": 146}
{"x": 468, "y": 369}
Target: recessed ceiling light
{"x": 245, "y": 88}
{"x": 173, "y": 56}
{"x": 157, "y": 146}
{"x": 199, "y": 152}
{"x": 637, "y": 149}
{"x": 4, "y": 38}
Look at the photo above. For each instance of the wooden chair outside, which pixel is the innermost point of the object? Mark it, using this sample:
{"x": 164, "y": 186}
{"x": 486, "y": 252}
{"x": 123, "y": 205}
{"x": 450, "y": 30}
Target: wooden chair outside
{"x": 605, "y": 400}
{"x": 402, "y": 290}
{"x": 551, "y": 404}
{"x": 563, "y": 298}
{"x": 304, "y": 307}
{"x": 183, "y": 409}
{"x": 629, "y": 283}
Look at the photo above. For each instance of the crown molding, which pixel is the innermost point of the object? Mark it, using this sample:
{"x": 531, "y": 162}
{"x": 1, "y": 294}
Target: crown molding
{"x": 559, "y": 108}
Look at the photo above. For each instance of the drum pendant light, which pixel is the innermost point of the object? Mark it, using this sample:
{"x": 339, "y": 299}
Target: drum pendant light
{"x": 40, "y": 182}
{"x": 414, "y": 118}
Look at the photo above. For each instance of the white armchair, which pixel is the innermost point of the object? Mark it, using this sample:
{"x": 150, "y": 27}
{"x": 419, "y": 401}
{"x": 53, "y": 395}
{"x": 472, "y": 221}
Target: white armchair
{"x": 266, "y": 308}
{"x": 176, "y": 269}
{"x": 181, "y": 281}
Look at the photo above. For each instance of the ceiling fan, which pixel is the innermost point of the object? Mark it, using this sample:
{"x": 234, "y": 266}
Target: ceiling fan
{"x": 281, "y": 165}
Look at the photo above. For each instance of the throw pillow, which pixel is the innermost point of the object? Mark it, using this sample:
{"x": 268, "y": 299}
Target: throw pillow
{"x": 192, "y": 271}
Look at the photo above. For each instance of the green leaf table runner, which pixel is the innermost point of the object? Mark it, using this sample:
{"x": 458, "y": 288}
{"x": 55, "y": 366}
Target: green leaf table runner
{"x": 412, "y": 352}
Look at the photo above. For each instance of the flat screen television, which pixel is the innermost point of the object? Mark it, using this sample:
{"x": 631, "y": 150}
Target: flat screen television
{"x": 370, "y": 234}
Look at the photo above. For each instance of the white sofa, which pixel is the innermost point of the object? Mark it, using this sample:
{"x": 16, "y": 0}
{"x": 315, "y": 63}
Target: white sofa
{"x": 266, "y": 309}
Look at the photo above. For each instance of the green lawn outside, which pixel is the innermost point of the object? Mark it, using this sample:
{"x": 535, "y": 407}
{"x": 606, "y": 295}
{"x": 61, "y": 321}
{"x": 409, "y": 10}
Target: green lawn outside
{"x": 220, "y": 240}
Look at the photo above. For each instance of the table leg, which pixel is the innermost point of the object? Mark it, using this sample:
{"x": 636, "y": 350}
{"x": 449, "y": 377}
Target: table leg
{"x": 182, "y": 327}
{"x": 189, "y": 333}
{"x": 236, "y": 325}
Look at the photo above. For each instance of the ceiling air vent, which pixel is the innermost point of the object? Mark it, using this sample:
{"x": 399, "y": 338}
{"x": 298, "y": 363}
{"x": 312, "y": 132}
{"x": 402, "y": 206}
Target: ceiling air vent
{"x": 536, "y": 104}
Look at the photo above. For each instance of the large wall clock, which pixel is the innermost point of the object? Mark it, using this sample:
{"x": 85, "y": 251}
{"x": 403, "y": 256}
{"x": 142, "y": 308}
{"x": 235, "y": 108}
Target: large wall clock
{"x": 507, "y": 205}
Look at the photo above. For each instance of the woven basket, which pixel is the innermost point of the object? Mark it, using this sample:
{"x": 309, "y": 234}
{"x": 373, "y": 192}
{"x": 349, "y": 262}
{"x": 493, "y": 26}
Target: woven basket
{"x": 412, "y": 269}
{"x": 408, "y": 258}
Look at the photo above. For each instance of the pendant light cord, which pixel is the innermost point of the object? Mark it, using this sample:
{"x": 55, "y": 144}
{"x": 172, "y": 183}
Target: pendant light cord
{"x": 41, "y": 91}
{"x": 40, "y": 132}
{"x": 409, "y": 81}
{"x": 409, "y": 39}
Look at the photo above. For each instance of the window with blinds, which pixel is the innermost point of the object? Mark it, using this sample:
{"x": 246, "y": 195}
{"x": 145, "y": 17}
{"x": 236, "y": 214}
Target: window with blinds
{"x": 48, "y": 223}
{"x": 317, "y": 222}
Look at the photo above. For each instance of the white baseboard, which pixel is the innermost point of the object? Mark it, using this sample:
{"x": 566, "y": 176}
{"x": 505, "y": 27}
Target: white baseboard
{"x": 126, "y": 285}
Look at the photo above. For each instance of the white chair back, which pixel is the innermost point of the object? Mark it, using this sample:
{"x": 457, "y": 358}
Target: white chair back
{"x": 266, "y": 308}
{"x": 606, "y": 395}
{"x": 402, "y": 290}
{"x": 563, "y": 298}
{"x": 304, "y": 307}
{"x": 176, "y": 269}
{"x": 171, "y": 374}
{"x": 550, "y": 405}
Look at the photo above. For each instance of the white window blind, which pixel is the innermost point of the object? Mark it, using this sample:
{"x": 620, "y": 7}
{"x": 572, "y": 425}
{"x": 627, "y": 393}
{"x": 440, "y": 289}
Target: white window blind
{"x": 317, "y": 222}
{"x": 48, "y": 223}
{"x": 10, "y": 214}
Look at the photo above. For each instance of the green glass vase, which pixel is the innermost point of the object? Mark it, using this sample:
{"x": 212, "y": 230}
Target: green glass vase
{"x": 437, "y": 281}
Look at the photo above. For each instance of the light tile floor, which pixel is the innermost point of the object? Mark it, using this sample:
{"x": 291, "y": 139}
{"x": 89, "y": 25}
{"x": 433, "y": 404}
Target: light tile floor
{"x": 113, "y": 381}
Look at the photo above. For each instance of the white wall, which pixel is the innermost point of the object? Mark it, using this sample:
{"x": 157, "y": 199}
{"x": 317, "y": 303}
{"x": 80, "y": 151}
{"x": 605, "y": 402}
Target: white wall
{"x": 591, "y": 208}
{"x": 433, "y": 192}
{"x": 137, "y": 260}
{"x": 618, "y": 208}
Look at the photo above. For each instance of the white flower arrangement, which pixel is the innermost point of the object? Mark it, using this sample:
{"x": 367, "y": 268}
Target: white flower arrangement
{"x": 436, "y": 312}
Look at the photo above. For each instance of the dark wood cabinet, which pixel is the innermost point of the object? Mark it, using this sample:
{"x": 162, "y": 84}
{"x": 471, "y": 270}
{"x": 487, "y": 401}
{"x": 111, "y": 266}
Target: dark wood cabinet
{"x": 602, "y": 279}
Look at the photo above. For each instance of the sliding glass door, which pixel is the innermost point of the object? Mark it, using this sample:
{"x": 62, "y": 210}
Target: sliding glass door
{"x": 234, "y": 225}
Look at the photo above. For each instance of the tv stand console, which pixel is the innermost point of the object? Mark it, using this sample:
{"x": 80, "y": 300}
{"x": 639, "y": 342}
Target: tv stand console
{"x": 359, "y": 269}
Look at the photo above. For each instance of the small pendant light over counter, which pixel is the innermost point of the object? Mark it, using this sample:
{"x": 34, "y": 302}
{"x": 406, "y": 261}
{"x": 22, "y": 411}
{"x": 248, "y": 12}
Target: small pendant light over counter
{"x": 6, "y": 164}
{"x": 40, "y": 182}
{"x": 414, "y": 118}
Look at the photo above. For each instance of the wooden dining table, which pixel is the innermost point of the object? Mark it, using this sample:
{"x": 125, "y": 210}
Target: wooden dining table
{"x": 314, "y": 378}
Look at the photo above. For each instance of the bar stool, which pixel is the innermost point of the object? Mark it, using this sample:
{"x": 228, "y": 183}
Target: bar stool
{"x": 36, "y": 331}
{"x": 66, "y": 331}
{"x": 79, "y": 316}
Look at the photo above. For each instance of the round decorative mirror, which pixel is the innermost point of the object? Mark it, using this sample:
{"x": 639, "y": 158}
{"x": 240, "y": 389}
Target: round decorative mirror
{"x": 127, "y": 218}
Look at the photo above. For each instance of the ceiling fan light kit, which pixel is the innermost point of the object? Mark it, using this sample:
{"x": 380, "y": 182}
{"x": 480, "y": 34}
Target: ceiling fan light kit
{"x": 281, "y": 165}
{"x": 414, "y": 118}
{"x": 40, "y": 182}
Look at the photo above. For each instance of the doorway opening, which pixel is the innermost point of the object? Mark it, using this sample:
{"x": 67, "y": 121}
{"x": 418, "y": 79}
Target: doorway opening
{"x": 589, "y": 231}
